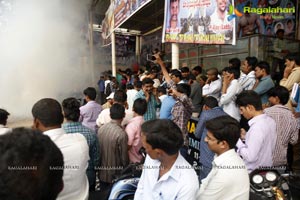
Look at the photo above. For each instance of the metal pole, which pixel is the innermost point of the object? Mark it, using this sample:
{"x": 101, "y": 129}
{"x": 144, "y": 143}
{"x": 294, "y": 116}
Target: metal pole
{"x": 113, "y": 50}
{"x": 137, "y": 48}
{"x": 175, "y": 56}
{"x": 113, "y": 54}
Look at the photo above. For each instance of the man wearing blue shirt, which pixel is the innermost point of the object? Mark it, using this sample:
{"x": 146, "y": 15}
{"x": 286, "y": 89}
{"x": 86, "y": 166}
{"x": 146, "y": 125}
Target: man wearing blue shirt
{"x": 210, "y": 111}
{"x": 264, "y": 81}
{"x": 166, "y": 107}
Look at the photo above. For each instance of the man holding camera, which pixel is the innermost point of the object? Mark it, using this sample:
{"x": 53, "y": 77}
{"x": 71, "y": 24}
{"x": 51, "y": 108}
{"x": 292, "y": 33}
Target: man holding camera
{"x": 183, "y": 107}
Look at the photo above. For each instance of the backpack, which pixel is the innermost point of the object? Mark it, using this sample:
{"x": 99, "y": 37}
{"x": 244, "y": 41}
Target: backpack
{"x": 108, "y": 89}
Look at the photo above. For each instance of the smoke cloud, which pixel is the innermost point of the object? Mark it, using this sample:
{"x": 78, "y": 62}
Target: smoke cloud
{"x": 44, "y": 53}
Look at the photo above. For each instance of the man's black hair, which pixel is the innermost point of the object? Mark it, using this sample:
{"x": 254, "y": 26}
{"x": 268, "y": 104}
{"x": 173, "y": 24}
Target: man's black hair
{"x": 235, "y": 62}
{"x": 264, "y": 65}
{"x": 147, "y": 81}
{"x": 3, "y": 116}
{"x": 31, "y": 166}
{"x": 210, "y": 102}
{"x": 249, "y": 97}
{"x": 120, "y": 96}
{"x": 198, "y": 69}
{"x": 138, "y": 84}
{"x": 176, "y": 73}
{"x": 184, "y": 69}
{"x": 163, "y": 134}
{"x": 252, "y": 61}
{"x": 117, "y": 111}
{"x": 224, "y": 128}
{"x": 71, "y": 109}
{"x": 281, "y": 92}
{"x": 140, "y": 106}
{"x": 293, "y": 57}
{"x": 129, "y": 86}
{"x": 184, "y": 88}
{"x": 90, "y": 92}
{"x": 161, "y": 89}
{"x": 48, "y": 111}
{"x": 231, "y": 70}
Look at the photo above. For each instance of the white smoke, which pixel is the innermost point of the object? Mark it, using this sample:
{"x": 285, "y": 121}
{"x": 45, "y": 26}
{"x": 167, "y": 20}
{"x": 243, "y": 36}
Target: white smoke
{"x": 43, "y": 53}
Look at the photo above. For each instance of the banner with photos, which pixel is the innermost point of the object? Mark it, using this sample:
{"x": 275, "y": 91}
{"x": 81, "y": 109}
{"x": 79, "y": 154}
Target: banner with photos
{"x": 108, "y": 25}
{"x": 123, "y": 9}
{"x": 199, "y": 21}
{"x": 266, "y": 17}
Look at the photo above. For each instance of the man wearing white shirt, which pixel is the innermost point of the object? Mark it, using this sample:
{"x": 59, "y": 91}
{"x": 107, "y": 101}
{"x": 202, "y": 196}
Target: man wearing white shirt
{"x": 131, "y": 94}
{"x": 176, "y": 76}
{"x": 166, "y": 174}
{"x": 228, "y": 179}
{"x": 230, "y": 89}
{"x": 48, "y": 117}
{"x": 256, "y": 146}
{"x": 213, "y": 84}
{"x": 120, "y": 97}
{"x": 247, "y": 79}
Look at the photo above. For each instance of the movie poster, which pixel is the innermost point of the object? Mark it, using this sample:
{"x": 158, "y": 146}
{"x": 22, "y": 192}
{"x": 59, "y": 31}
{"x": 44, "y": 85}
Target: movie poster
{"x": 118, "y": 12}
{"x": 199, "y": 21}
{"x": 123, "y": 9}
{"x": 107, "y": 26}
{"x": 266, "y": 17}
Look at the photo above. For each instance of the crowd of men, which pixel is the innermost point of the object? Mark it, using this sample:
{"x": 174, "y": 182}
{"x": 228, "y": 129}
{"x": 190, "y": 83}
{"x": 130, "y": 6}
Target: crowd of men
{"x": 245, "y": 122}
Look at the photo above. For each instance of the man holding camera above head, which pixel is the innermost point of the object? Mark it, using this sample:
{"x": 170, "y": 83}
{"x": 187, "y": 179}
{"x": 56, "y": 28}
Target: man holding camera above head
{"x": 183, "y": 107}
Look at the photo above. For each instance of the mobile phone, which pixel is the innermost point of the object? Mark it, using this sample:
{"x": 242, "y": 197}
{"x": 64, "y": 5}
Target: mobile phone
{"x": 150, "y": 57}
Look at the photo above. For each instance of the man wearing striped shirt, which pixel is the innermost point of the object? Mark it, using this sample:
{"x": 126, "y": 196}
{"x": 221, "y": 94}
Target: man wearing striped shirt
{"x": 286, "y": 124}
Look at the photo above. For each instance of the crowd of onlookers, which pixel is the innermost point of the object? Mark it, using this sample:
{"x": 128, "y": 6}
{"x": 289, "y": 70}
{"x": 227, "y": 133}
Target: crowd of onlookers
{"x": 246, "y": 121}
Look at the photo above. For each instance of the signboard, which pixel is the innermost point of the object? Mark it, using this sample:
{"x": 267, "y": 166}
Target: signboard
{"x": 266, "y": 17}
{"x": 123, "y": 9}
{"x": 107, "y": 25}
{"x": 118, "y": 12}
{"x": 199, "y": 21}
{"x": 194, "y": 143}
